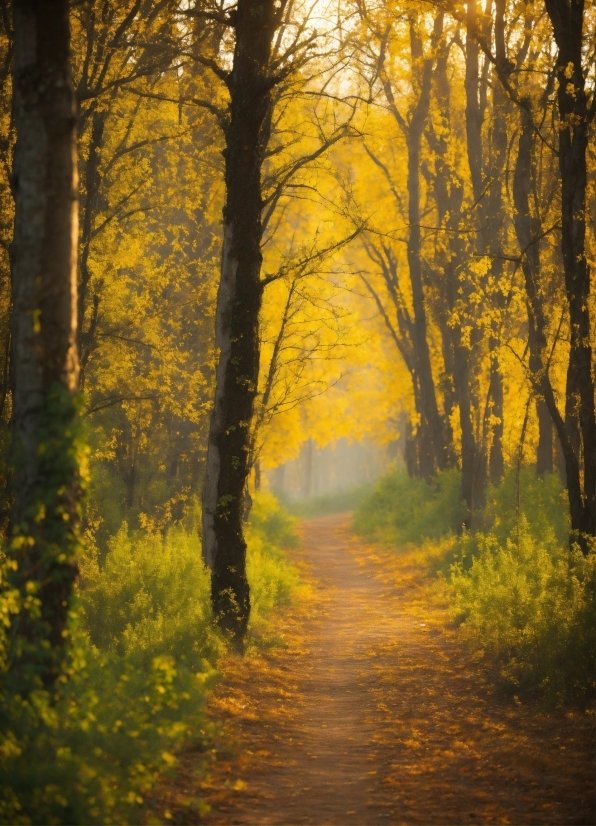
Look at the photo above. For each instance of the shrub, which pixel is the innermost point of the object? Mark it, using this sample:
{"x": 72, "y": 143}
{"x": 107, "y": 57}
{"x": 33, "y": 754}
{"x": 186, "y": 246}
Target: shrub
{"x": 88, "y": 751}
{"x": 401, "y": 509}
{"x": 530, "y": 605}
{"x": 141, "y": 657}
{"x": 272, "y": 522}
{"x": 151, "y": 598}
{"x": 272, "y": 578}
{"x": 542, "y": 501}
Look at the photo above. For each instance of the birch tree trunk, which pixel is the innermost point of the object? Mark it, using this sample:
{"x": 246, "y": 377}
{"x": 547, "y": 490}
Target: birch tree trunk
{"x": 237, "y": 317}
{"x": 46, "y": 482}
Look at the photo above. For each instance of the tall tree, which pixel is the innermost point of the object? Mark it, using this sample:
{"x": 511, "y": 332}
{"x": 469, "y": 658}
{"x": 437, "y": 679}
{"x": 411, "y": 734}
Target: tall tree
{"x": 237, "y": 317}
{"x": 486, "y": 180}
{"x": 433, "y": 437}
{"x": 265, "y": 158}
{"x": 448, "y": 193}
{"x": 576, "y": 430}
{"x": 46, "y": 447}
{"x": 575, "y": 117}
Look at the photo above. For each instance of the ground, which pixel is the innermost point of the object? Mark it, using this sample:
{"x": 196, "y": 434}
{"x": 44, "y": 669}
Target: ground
{"x": 372, "y": 711}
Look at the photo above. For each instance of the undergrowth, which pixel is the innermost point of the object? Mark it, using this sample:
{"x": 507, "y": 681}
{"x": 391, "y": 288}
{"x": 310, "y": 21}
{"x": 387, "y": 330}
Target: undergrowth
{"x": 521, "y": 597}
{"x": 401, "y": 509}
{"x": 529, "y": 605}
{"x": 142, "y": 654}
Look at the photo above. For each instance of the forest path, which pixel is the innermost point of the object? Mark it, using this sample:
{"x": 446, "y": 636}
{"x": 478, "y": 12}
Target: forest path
{"x": 372, "y": 713}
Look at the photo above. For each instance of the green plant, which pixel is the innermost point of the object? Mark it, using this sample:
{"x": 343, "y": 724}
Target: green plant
{"x": 273, "y": 522}
{"x": 402, "y": 509}
{"x": 542, "y": 501}
{"x": 140, "y": 658}
{"x": 273, "y": 579}
{"x": 88, "y": 751}
{"x": 338, "y": 502}
{"x": 151, "y": 598}
{"x": 530, "y": 606}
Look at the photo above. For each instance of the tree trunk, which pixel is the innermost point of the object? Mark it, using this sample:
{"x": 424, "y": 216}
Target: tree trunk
{"x": 476, "y": 476}
{"x": 237, "y": 317}
{"x": 307, "y": 478}
{"x": 490, "y": 221}
{"x": 473, "y": 111}
{"x": 46, "y": 441}
{"x": 410, "y": 455}
{"x": 544, "y": 450}
{"x": 574, "y": 119}
{"x": 528, "y": 231}
{"x": 435, "y": 457}
{"x": 431, "y": 420}
{"x": 92, "y": 186}
{"x": 495, "y": 221}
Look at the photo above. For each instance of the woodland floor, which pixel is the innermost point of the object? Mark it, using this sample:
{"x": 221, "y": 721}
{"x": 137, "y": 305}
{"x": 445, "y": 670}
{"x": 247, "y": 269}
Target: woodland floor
{"x": 372, "y": 712}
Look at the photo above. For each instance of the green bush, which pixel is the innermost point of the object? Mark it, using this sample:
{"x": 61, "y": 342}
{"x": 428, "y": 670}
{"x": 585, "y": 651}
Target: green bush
{"x": 542, "y": 501}
{"x": 402, "y": 509}
{"x": 530, "y": 606}
{"x": 272, "y": 578}
{"x": 151, "y": 598}
{"x": 141, "y": 657}
{"x": 88, "y": 751}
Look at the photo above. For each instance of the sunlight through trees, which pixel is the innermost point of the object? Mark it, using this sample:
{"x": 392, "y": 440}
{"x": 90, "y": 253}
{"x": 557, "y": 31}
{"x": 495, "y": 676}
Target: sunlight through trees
{"x": 235, "y": 233}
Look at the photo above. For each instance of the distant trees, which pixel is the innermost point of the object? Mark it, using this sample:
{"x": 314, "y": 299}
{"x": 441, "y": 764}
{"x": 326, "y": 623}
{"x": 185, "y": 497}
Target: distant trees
{"x": 478, "y": 258}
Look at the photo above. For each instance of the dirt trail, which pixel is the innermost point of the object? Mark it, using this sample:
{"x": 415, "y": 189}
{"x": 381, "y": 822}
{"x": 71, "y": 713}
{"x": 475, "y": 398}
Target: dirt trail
{"x": 374, "y": 714}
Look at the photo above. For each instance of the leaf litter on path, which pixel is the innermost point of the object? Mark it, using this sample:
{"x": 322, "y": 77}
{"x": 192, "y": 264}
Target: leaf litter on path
{"x": 373, "y": 712}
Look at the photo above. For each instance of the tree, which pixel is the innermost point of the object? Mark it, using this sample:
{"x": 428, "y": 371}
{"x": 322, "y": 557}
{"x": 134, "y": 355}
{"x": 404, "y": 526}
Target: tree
{"x": 577, "y": 429}
{"x": 575, "y": 117}
{"x": 47, "y": 447}
{"x": 266, "y": 70}
{"x": 448, "y": 192}
{"x": 238, "y": 305}
{"x": 434, "y": 448}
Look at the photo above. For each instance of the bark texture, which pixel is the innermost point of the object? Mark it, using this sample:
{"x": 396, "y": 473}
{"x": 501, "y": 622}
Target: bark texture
{"x": 495, "y": 220}
{"x": 567, "y": 17}
{"x": 433, "y": 446}
{"x": 237, "y": 316}
{"x": 46, "y": 486}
